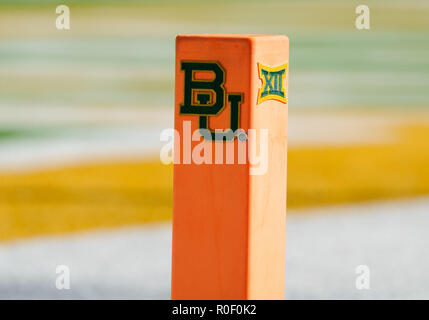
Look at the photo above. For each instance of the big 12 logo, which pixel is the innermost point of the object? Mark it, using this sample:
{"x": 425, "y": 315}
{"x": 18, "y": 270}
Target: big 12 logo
{"x": 206, "y": 98}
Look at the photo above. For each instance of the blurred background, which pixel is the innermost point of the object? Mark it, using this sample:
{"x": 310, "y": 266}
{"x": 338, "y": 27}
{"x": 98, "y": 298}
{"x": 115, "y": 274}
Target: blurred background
{"x": 81, "y": 111}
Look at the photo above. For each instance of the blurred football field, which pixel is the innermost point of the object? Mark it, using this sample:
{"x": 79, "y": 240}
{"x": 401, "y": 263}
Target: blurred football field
{"x": 81, "y": 112}
{"x": 103, "y": 193}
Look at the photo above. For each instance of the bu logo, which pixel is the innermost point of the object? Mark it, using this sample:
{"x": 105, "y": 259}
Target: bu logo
{"x": 207, "y": 97}
{"x": 272, "y": 83}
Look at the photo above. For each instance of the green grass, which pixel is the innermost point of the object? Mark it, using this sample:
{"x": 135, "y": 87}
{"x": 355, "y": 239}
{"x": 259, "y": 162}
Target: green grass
{"x": 16, "y": 133}
{"x": 6, "y": 134}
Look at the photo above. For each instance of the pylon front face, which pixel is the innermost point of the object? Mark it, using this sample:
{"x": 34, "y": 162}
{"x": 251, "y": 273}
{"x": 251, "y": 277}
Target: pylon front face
{"x": 229, "y": 210}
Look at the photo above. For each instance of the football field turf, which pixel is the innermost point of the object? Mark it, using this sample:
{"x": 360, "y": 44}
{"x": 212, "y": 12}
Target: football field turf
{"x": 101, "y": 90}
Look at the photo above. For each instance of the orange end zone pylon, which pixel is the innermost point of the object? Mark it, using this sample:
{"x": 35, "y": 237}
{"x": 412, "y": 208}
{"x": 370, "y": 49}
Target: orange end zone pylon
{"x": 229, "y": 213}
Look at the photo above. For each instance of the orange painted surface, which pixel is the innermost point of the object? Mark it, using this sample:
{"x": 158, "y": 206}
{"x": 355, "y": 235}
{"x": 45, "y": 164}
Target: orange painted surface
{"x": 228, "y": 225}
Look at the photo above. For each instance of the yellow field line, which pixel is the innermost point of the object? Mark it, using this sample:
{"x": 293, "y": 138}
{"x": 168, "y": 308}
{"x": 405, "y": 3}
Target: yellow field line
{"x": 128, "y": 193}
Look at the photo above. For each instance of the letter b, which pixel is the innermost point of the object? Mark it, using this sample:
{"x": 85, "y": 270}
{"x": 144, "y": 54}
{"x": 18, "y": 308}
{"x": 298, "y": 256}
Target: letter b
{"x": 215, "y": 87}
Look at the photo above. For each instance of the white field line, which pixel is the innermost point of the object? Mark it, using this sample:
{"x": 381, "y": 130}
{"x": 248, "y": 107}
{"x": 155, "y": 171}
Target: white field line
{"x": 17, "y": 155}
{"x": 132, "y": 133}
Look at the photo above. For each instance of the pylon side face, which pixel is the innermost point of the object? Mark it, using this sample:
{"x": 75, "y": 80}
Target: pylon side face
{"x": 227, "y": 216}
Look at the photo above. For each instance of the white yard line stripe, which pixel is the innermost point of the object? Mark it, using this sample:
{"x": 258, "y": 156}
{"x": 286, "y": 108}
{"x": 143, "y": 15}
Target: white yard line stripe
{"x": 97, "y": 135}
